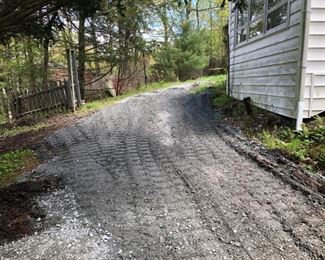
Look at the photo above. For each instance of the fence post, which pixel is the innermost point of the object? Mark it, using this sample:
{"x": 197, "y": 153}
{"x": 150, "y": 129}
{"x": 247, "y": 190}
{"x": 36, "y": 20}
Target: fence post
{"x": 75, "y": 77}
{"x": 70, "y": 86}
{"x": 69, "y": 94}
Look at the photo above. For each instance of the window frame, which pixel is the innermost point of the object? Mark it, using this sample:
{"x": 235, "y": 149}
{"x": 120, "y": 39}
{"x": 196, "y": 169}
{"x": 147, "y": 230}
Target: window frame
{"x": 264, "y": 16}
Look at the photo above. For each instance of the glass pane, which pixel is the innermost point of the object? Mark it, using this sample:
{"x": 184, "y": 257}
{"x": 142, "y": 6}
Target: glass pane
{"x": 277, "y": 17}
{"x": 242, "y": 15}
{"x": 257, "y": 8}
{"x": 256, "y": 28}
{"x": 273, "y": 3}
{"x": 242, "y": 18}
{"x": 241, "y": 35}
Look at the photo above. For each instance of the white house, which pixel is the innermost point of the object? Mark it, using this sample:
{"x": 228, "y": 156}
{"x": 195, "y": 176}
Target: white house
{"x": 277, "y": 56}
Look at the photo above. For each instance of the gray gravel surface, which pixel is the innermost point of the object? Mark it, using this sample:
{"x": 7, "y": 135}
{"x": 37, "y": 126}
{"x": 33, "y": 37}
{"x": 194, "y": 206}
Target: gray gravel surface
{"x": 149, "y": 178}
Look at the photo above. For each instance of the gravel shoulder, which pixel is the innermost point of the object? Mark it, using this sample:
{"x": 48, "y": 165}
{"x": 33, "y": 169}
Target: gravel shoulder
{"x": 152, "y": 177}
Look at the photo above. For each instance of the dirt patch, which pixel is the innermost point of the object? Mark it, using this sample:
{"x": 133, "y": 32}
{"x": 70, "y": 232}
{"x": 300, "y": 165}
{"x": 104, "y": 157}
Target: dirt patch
{"x": 32, "y": 138}
{"x": 19, "y": 213}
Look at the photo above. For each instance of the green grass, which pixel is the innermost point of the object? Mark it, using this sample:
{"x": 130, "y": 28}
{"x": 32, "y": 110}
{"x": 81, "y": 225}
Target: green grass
{"x": 92, "y": 106}
{"x": 306, "y": 146}
{"x": 295, "y": 147}
{"x": 98, "y": 104}
{"x": 2, "y": 119}
{"x": 9, "y": 132}
{"x": 209, "y": 82}
{"x": 14, "y": 163}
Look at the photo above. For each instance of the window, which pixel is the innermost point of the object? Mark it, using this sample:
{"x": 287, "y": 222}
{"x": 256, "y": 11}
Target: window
{"x": 256, "y": 24}
{"x": 259, "y": 17}
{"x": 241, "y": 28}
{"x": 241, "y": 35}
{"x": 256, "y": 28}
{"x": 257, "y": 9}
{"x": 277, "y": 14}
{"x": 273, "y": 3}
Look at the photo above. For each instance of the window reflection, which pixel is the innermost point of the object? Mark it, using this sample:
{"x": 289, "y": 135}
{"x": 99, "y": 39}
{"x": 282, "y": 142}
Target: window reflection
{"x": 256, "y": 28}
{"x": 273, "y": 3}
{"x": 242, "y": 18}
{"x": 257, "y": 9}
{"x": 259, "y": 16}
{"x": 277, "y": 17}
{"x": 241, "y": 35}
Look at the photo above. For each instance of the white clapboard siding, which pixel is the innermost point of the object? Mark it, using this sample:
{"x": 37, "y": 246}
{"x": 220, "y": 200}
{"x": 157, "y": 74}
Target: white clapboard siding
{"x": 316, "y": 54}
{"x": 317, "y": 28}
{"x": 314, "y": 99}
{"x": 318, "y": 3}
{"x": 316, "y": 41}
{"x": 266, "y": 69}
{"x": 317, "y": 15}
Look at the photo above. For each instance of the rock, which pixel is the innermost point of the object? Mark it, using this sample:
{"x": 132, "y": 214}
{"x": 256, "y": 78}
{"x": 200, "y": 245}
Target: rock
{"x": 237, "y": 244}
{"x": 106, "y": 238}
{"x": 161, "y": 239}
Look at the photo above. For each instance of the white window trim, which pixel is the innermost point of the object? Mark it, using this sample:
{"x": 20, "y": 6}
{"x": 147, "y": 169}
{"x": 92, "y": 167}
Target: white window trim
{"x": 265, "y": 15}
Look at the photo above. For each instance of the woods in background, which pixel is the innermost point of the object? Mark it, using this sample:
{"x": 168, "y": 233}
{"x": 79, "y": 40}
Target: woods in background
{"x": 127, "y": 41}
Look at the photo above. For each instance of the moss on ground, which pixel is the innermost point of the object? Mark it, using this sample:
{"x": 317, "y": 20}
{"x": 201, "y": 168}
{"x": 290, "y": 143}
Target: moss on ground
{"x": 14, "y": 163}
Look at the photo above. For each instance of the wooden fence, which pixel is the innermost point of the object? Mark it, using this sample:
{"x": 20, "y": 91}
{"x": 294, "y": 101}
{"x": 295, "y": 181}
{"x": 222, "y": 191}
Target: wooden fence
{"x": 56, "y": 97}
{"x": 52, "y": 99}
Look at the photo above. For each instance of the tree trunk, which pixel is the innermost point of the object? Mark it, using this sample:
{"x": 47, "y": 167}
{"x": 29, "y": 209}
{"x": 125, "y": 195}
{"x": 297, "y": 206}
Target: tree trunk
{"x": 18, "y": 59}
{"x": 46, "y": 44}
{"x": 95, "y": 46}
{"x": 165, "y": 24}
{"x": 82, "y": 54}
{"x": 197, "y": 15}
{"x": 30, "y": 63}
{"x": 45, "y": 61}
{"x": 188, "y": 9}
{"x": 211, "y": 35}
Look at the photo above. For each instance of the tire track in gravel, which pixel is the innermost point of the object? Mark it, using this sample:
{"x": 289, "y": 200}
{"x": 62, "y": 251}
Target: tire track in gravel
{"x": 199, "y": 145}
{"x": 308, "y": 248}
{"x": 166, "y": 165}
{"x": 156, "y": 181}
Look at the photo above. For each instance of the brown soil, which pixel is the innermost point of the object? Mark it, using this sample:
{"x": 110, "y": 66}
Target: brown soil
{"x": 34, "y": 137}
{"x": 19, "y": 213}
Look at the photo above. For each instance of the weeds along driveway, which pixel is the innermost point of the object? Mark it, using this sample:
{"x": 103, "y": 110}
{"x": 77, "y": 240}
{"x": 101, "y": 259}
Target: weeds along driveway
{"x": 149, "y": 178}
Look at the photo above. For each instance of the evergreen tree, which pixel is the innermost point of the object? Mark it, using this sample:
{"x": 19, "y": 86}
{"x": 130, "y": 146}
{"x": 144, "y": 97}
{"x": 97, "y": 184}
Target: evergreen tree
{"x": 191, "y": 58}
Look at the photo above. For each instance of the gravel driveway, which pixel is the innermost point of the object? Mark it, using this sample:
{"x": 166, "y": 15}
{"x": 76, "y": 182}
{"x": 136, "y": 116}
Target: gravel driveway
{"x": 149, "y": 178}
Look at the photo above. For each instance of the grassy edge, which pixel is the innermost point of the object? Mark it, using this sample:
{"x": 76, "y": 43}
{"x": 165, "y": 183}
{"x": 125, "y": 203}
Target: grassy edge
{"x": 97, "y": 105}
{"x": 15, "y": 163}
{"x": 306, "y": 147}
{"x": 22, "y": 129}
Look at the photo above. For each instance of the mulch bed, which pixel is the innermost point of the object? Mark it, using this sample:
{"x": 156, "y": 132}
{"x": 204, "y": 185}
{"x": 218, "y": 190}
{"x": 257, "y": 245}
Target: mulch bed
{"x": 19, "y": 213}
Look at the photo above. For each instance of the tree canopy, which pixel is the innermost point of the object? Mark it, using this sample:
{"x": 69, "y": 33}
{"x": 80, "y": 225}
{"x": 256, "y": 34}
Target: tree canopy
{"x": 128, "y": 40}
